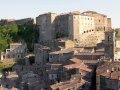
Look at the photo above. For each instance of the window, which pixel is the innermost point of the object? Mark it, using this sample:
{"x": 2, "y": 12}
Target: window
{"x": 109, "y": 38}
{"x": 18, "y": 56}
{"x": 74, "y": 17}
{"x": 104, "y": 28}
{"x": 8, "y": 50}
{"x": 99, "y": 20}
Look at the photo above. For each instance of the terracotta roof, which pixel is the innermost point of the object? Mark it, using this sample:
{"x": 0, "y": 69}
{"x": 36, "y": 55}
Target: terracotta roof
{"x": 107, "y": 66}
{"x": 12, "y": 75}
{"x": 81, "y": 66}
{"x": 77, "y": 63}
{"x": 112, "y": 75}
{"x": 76, "y": 60}
{"x": 85, "y": 53}
{"x": 66, "y": 85}
{"x": 62, "y": 51}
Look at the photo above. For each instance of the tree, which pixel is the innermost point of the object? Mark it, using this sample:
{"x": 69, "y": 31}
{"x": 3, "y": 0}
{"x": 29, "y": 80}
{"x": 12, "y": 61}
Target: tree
{"x": 7, "y": 33}
{"x": 13, "y": 33}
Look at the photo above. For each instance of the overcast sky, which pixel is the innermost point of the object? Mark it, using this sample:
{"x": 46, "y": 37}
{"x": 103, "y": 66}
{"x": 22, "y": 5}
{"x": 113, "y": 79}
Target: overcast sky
{"x": 18, "y": 9}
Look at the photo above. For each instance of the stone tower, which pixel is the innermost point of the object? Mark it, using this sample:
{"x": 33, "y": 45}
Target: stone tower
{"x": 74, "y": 32}
{"x": 109, "y": 43}
{"x": 45, "y": 23}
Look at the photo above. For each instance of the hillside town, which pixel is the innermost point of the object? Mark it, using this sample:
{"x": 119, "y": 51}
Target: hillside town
{"x": 73, "y": 51}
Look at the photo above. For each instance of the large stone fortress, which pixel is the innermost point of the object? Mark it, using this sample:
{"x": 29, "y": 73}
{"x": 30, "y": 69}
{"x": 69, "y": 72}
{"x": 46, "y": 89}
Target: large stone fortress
{"x": 75, "y": 26}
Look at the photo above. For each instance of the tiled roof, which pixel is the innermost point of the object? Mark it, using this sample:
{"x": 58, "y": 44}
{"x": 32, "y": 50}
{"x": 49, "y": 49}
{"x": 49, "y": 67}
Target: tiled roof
{"x": 112, "y": 75}
{"x": 106, "y": 70}
{"x": 62, "y": 51}
{"x": 78, "y": 64}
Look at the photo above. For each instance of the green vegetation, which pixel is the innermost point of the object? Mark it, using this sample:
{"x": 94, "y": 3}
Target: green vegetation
{"x": 29, "y": 34}
{"x": 7, "y": 33}
{"x": 13, "y": 33}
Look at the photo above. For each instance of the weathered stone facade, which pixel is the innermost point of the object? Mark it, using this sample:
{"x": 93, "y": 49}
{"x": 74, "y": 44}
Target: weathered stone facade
{"x": 16, "y": 51}
{"x": 80, "y": 25}
{"x": 62, "y": 26}
{"x": 45, "y": 24}
{"x": 102, "y": 23}
{"x": 109, "y": 43}
{"x": 75, "y": 26}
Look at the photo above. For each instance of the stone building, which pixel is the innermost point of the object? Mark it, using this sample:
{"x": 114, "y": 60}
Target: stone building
{"x": 16, "y": 51}
{"x": 89, "y": 53}
{"x": 64, "y": 44}
{"x": 112, "y": 45}
{"x": 72, "y": 72}
{"x": 62, "y": 26}
{"x": 12, "y": 80}
{"x": 59, "y": 56}
{"x": 70, "y": 85}
{"x": 45, "y": 23}
{"x": 109, "y": 43}
{"x": 108, "y": 76}
{"x": 117, "y": 49}
{"x": 55, "y": 65}
{"x": 29, "y": 81}
{"x": 76, "y": 26}
{"x": 41, "y": 54}
{"x": 80, "y": 24}
{"x": 102, "y": 23}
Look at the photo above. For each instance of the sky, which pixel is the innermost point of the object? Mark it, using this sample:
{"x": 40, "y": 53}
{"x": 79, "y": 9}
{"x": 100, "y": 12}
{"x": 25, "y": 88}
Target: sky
{"x": 18, "y": 9}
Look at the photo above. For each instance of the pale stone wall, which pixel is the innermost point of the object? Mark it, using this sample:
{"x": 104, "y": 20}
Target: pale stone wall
{"x": 86, "y": 24}
{"x": 74, "y": 29}
{"x": 109, "y": 23}
{"x": 101, "y": 21}
{"x": 117, "y": 49}
{"x": 74, "y": 25}
{"x": 79, "y": 25}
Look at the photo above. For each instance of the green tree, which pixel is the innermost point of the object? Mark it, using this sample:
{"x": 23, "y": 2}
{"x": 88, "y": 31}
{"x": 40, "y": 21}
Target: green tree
{"x": 29, "y": 34}
{"x": 12, "y": 33}
{"x": 7, "y": 33}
